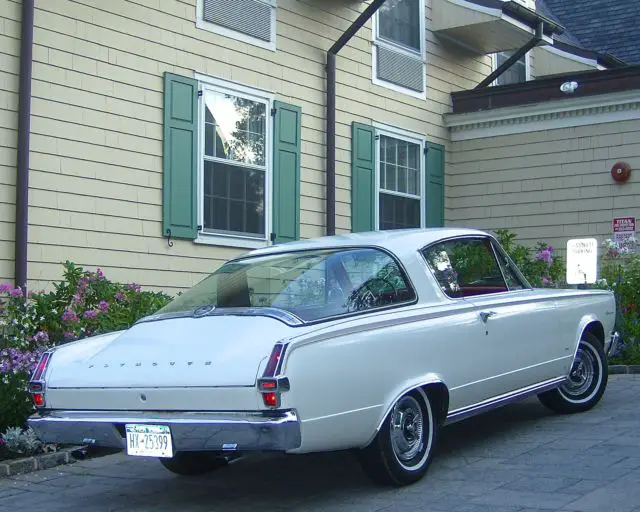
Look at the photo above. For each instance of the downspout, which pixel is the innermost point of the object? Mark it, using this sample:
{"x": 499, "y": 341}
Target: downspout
{"x": 24, "y": 132}
{"x": 514, "y": 58}
{"x": 331, "y": 109}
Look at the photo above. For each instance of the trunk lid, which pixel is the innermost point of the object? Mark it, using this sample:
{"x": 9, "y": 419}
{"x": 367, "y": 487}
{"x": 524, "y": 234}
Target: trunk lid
{"x": 213, "y": 351}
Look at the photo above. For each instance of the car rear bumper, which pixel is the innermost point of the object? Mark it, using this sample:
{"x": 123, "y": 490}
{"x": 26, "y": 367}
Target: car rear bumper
{"x": 190, "y": 431}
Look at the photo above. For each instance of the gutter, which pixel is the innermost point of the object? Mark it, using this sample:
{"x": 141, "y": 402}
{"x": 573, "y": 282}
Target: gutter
{"x": 331, "y": 109}
{"x": 24, "y": 133}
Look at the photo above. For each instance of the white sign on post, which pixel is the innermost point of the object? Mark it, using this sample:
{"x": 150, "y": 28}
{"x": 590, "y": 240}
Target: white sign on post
{"x": 582, "y": 261}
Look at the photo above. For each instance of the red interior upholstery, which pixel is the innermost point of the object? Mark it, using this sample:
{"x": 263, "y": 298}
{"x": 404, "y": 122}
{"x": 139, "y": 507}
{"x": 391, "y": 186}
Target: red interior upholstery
{"x": 468, "y": 291}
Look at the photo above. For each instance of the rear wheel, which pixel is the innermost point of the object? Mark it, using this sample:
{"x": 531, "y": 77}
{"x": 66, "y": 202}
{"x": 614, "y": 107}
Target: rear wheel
{"x": 402, "y": 450}
{"x": 587, "y": 380}
{"x": 194, "y": 463}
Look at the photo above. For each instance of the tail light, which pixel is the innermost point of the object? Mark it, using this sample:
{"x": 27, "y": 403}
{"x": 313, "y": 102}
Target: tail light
{"x": 272, "y": 384}
{"x": 37, "y": 384}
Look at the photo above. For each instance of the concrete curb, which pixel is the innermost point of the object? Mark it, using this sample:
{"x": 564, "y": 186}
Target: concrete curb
{"x": 39, "y": 462}
{"x": 623, "y": 369}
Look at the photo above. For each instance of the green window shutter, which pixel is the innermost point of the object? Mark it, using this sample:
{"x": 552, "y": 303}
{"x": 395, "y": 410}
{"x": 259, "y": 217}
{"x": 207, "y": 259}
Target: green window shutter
{"x": 286, "y": 172}
{"x": 434, "y": 172}
{"x": 363, "y": 175}
{"x": 180, "y": 156}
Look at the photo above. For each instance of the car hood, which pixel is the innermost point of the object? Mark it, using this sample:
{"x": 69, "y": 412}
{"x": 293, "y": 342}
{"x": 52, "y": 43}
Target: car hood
{"x": 177, "y": 352}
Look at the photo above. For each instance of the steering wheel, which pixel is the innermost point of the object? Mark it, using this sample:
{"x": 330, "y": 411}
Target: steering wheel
{"x": 369, "y": 294}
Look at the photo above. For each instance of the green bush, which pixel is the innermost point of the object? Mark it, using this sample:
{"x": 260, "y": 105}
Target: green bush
{"x": 82, "y": 304}
{"x": 620, "y": 272}
{"x": 541, "y": 267}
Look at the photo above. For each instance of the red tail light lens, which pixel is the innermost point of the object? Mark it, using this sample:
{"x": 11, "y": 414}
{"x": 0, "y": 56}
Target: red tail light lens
{"x": 41, "y": 367}
{"x": 271, "y": 399}
{"x": 37, "y": 384}
{"x": 274, "y": 360}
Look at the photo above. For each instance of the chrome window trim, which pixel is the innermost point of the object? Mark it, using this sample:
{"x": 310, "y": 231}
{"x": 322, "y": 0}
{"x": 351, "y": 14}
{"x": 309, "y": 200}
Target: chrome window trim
{"x": 463, "y": 237}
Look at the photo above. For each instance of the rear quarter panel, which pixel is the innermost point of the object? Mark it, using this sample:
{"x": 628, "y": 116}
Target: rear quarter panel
{"x": 344, "y": 379}
{"x": 579, "y": 308}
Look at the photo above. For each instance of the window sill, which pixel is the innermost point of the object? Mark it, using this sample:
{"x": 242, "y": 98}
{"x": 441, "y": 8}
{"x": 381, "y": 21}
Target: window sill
{"x": 230, "y": 241}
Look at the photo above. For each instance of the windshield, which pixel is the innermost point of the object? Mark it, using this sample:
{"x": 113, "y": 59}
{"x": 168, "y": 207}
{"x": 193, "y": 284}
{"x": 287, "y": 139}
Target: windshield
{"x": 311, "y": 285}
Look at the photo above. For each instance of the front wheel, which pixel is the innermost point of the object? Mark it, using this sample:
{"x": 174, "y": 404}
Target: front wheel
{"x": 402, "y": 450}
{"x": 194, "y": 463}
{"x": 587, "y": 380}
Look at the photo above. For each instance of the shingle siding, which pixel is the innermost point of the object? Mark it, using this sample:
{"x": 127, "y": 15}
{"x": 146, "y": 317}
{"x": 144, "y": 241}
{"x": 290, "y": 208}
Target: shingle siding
{"x": 545, "y": 185}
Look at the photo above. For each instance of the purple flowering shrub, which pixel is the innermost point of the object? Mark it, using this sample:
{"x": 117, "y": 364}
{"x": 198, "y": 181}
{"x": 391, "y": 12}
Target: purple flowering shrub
{"x": 82, "y": 304}
{"x": 542, "y": 267}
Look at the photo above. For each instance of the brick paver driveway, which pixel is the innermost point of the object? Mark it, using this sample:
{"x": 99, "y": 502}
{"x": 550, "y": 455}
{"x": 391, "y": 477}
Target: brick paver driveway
{"x": 519, "y": 458}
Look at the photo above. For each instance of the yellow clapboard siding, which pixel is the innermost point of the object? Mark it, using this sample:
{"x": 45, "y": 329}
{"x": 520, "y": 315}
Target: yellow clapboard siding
{"x": 97, "y": 119}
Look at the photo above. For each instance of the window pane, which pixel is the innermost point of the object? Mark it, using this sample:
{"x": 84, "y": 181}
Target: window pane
{"x": 399, "y": 212}
{"x": 312, "y": 284}
{"x": 399, "y": 22}
{"x": 513, "y": 281}
{"x": 390, "y": 180}
{"x": 465, "y": 268}
{"x": 233, "y": 199}
{"x": 239, "y": 126}
{"x": 399, "y": 161}
{"x": 515, "y": 74}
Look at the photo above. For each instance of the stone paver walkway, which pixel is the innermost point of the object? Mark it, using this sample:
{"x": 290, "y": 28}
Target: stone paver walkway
{"x": 519, "y": 458}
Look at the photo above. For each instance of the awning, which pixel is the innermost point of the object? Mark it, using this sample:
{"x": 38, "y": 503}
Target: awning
{"x": 489, "y": 26}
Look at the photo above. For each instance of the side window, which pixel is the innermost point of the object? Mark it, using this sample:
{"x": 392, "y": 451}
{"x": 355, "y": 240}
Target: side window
{"x": 513, "y": 281}
{"x": 465, "y": 267}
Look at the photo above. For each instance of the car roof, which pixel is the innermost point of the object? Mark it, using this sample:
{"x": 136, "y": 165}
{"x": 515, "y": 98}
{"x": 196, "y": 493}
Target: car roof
{"x": 400, "y": 242}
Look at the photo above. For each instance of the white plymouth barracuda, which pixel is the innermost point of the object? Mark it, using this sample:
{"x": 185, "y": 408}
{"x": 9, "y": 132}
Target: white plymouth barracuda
{"x": 370, "y": 342}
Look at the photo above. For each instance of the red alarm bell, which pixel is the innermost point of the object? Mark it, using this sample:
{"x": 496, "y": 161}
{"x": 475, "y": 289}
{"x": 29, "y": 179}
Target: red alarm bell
{"x": 621, "y": 172}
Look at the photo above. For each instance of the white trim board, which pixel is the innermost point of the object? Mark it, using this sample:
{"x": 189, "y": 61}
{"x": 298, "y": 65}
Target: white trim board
{"x": 568, "y": 113}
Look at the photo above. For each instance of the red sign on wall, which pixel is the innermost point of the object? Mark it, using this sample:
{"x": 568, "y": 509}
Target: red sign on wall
{"x": 623, "y": 229}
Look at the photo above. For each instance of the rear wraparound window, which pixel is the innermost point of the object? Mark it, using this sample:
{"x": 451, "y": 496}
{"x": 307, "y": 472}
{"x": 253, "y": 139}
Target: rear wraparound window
{"x": 312, "y": 285}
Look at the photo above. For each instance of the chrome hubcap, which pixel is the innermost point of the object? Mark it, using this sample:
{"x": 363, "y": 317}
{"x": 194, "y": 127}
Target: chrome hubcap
{"x": 582, "y": 373}
{"x": 407, "y": 429}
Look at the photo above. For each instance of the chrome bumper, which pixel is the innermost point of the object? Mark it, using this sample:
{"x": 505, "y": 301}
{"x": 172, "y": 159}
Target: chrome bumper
{"x": 190, "y": 431}
{"x": 612, "y": 345}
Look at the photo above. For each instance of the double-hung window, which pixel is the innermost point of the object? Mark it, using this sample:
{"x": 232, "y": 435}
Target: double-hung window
{"x": 249, "y": 21}
{"x": 235, "y": 162}
{"x": 399, "y": 46}
{"x": 231, "y": 164}
{"x": 401, "y": 194}
{"x": 397, "y": 179}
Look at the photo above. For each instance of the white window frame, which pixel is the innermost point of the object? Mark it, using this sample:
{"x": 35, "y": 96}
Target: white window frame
{"x": 414, "y": 138}
{"x": 378, "y": 41}
{"x": 527, "y": 66}
{"x": 239, "y": 36}
{"x": 227, "y": 239}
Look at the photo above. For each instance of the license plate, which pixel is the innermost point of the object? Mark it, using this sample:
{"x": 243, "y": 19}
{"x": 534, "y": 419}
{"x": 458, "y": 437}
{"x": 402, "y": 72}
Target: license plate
{"x": 149, "y": 440}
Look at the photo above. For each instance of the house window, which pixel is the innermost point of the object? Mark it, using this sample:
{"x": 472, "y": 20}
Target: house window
{"x": 400, "y": 161}
{"x": 399, "y": 46}
{"x": 235, "y": 163}
{"x": 518, "y": 73}
{"x": 250, "y": 21}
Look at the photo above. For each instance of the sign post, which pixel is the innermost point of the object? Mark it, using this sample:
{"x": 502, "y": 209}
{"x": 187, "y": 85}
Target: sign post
{"x": 582, "y": 261}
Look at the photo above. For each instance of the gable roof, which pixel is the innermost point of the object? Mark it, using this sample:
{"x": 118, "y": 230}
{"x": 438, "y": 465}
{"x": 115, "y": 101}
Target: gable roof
{"x": 605, "y": 26}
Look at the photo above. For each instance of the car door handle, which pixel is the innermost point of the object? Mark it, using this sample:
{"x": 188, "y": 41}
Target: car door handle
{"x": 485, "y": 315}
